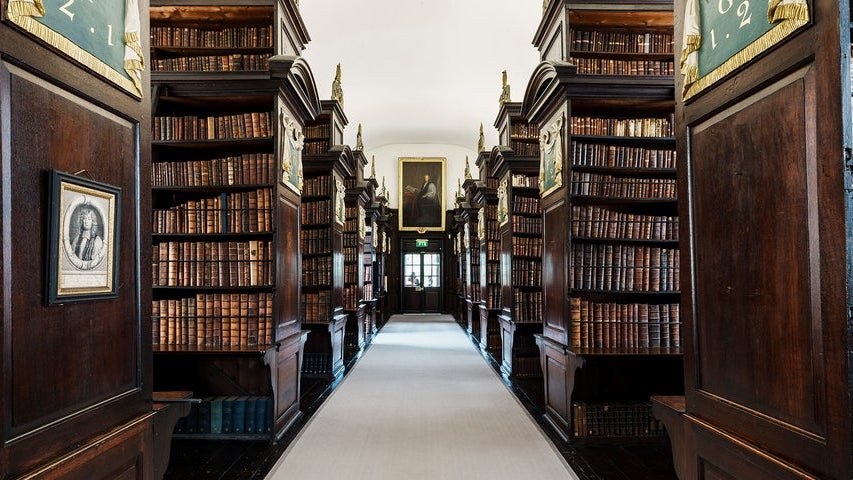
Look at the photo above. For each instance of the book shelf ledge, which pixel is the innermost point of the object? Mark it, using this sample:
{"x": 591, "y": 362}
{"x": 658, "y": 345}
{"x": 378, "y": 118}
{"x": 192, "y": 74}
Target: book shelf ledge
{"x": 635, "y": 296}
{"x": 592, "y": 200}
{"x": 211, "y": 289}
{"x": 627, "y": 171}
{"x": 623, "y": 139}
{"x": 257, "y": 437}
{"x": 183, "y": 50}
{"x": 627, "y": 351}
{"x": 210, "y": 236}
{"x": 207, "y": 349}
{"x": 214, "y": 144}
{"x": 663, "y": 57}
{"x": 628, "y": 241}
{"x": 212, "y": 189}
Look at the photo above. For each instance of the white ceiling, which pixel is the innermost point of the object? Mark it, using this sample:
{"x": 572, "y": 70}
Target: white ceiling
{"x": 421, "y": 71}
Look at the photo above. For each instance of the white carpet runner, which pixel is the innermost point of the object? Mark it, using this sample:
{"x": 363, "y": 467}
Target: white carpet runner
{"x": 421, "y": 403}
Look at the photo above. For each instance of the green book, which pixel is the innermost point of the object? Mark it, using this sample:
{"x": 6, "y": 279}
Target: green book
{"x": 216, "y": 415}
{"x": 239, "y": 415}
{"x": 251, "y": 414}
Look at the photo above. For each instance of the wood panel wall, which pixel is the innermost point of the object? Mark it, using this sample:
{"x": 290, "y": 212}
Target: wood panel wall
{"x": 75, "y": 399}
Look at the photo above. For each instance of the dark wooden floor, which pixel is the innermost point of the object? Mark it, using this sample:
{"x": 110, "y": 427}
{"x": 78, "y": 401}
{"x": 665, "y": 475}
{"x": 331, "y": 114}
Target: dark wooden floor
{"x": 212, "y": 460}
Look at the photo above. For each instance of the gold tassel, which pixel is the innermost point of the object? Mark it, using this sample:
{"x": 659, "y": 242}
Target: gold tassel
{"x": 18, "y": 8}
{"x": 692, "y": 44}
{"x": 798, "y": 12}
{"x": 131, "y": 39}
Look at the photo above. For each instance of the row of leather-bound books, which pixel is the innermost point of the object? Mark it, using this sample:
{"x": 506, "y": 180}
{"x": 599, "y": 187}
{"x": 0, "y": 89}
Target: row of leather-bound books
{"x": 526, "y": 205}
{"x": 629, "y": 268}
{"x": 527, "y": 246}
{"x": 626, "y": 419}
{"x": 609, "y": 66}
{"x": 317, "y": 271}
{"x": 493, "y": 273}
{"x": 493, "y": 297}
{"x": 621, "y": 41}
{"x": 245, "y": 169}
{"x": 237, "y": 126}
{"x": 317, "y": 212}
{"x": 528, "y": 131}
{"x": 527, "y": 272}
{"x": 524, "y": 149}
{"x": 623, "y": 127}
{"x": 599, "y": 185}
{"x": 527, "y": 225}
{"x": 620, "y": 156}
{"x": 228, "y": 415}
{"x": 240, "y": 212}
{"x": 316, "y": 186}
{"x": 527, "y": 305}
{"x": 213, "y": 320}
{"x": 315, "y": 241}
{"x": 259, "y": 36}
{"x": 316, "y": 306}
{"x": 213, "y": 264}
{"x": 598, "y": 222}
{"x": 236, "y": 62}
{"x": 624, "y": 325}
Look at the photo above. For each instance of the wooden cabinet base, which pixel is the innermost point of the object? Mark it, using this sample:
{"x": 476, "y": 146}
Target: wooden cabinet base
{"x": 559, "y": 366}
{"x": 670, "y": 411}
{"x": 123, "y": 453}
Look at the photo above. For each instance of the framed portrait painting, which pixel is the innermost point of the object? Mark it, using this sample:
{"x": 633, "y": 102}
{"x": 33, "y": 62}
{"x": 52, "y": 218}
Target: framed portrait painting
{"x": 421, "y": 194}
{"x": 83, "y": 238}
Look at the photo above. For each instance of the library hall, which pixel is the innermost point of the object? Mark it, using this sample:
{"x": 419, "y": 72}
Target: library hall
{"x": 426, "y": 240}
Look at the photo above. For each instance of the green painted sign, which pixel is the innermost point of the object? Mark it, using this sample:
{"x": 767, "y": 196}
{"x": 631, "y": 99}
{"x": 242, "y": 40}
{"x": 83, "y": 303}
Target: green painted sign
{"x": 103, "y": 35}
{"x": 729, "y": 26}
{"x": 421, "y": 243}
{"x": 96, "y": 26}
{"x": 723, "y": 35}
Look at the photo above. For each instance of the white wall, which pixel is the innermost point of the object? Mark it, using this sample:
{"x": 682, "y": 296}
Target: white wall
{"x": 387, "y": 162}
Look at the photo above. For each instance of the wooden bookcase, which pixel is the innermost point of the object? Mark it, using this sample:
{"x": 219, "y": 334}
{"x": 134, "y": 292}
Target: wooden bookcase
{"x": 520, "y": 226}
{"x": 357, "y": 196}
{"x": 461, "y": 269}
{"x": 767, "y": 315}
{"x": 382, "y": 242}
{"x": 611, "y": 332}
{"x": 323, "y": 222}
{"x": 471, "y": 243}
{"x": 490, "y": 257}
{"x": 225, "y": 258}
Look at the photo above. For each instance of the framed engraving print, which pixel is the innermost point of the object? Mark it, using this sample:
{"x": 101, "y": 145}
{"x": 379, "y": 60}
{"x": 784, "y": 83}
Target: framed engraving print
{"x": 421, "y": 193}
{"x": 291, "y": 143}
{"x": 551, "y": 158}
{"x": 83, "y": 234}
{"x": 722, "y": 35}
{"x": 103, "y": 36}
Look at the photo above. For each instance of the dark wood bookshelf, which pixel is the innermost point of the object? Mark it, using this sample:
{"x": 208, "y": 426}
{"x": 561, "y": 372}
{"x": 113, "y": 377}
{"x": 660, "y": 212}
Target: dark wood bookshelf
{"x": 619, "y": 138}
{"x": 193, "y": 168}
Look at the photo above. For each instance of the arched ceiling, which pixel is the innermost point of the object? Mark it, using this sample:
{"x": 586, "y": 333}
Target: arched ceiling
{"x": 422, "y": 71}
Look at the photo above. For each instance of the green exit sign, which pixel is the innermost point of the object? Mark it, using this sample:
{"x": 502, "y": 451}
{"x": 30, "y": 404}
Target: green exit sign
{"x": 421, "y": 243}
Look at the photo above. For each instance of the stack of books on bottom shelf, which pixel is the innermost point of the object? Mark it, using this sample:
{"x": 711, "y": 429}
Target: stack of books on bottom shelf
{"x": 630, "y": 419}
{"x": 228, "y": 416}
{"x": 317, "y": 363}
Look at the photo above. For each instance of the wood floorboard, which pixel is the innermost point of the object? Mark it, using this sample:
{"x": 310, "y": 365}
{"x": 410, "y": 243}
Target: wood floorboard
{"x": 213, "y": 460}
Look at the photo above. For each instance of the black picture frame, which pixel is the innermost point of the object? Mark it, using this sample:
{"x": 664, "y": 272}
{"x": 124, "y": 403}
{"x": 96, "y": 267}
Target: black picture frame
{"x": 84, "y": 218}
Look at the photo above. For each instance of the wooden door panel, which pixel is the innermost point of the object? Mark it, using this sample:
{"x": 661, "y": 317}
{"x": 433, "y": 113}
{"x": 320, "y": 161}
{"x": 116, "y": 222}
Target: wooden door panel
{"x": 555, "y": 273}
{"x": 758, "y": 321}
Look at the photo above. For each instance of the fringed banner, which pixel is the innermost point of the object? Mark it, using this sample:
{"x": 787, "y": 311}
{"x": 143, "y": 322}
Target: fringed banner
{"x": 59, "y": 29}
{"x": 784, "y": 17}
